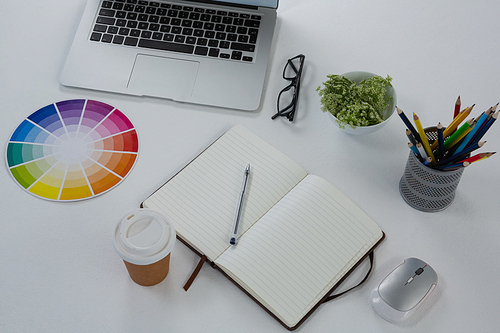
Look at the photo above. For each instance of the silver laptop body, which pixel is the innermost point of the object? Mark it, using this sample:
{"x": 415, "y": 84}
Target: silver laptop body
{"x": 230, "y": 75}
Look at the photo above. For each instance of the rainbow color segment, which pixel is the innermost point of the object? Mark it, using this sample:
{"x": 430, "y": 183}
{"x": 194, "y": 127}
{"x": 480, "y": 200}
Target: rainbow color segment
{"x": 72, "y": 150}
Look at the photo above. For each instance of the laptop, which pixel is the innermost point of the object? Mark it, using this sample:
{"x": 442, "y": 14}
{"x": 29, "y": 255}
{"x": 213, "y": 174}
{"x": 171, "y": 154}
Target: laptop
{"x": 207, "y": 52}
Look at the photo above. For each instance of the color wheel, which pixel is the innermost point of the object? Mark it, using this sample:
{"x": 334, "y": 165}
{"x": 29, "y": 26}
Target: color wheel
{"x": 72, "y": 150}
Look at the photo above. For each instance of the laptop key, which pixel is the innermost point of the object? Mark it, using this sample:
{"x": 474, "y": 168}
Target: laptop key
{"x": 118, "y": 39}
{"x": 166, "y": 46}
{"x": 165, "y": 20}
{"x": 100, "y": 28}
{"x": 168, "y": 37}
{"x": 201, "y": 50}
{"x": 243, "y": 38}
{"x": 242, "y": 47}
{"x": 213, "y": 52}
{"x": 172, "y": 13}
{"x": 252, "y": 23}
{"x": 96, "y": 36}
{"x": 131, "y": 41}
{"x": 236, "y": 55}
{"x": 121, "y": 23}
{"x": 131, "y": 16}
{"x": 107, "y": 12}
{"x": 106, "y": 38}
{"x": 139, "y": 9}
{"x": 202, "y": 41}
{"x": 124, "y": 31}
{"x": 253, "y": 33}
{"x": 105, "y": 20}
{"x": 132, "y": 24}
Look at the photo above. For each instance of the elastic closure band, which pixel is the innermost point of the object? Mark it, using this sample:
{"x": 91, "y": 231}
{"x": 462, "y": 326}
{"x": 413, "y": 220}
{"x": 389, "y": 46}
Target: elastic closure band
{"x": 195, "y": 272}
{"x": 329, "y": 298}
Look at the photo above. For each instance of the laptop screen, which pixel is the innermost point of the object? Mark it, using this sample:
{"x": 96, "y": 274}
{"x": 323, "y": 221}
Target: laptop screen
{"x": 259, "y": 3}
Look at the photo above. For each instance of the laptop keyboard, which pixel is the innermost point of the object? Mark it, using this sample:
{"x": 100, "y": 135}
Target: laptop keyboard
{"x": 178, "y": 28}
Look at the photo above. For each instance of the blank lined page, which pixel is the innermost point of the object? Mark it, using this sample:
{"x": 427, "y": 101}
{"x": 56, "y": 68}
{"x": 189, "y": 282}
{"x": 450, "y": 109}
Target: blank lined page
{"x": 201, "y": 200}
{"x": 301, "y": 248}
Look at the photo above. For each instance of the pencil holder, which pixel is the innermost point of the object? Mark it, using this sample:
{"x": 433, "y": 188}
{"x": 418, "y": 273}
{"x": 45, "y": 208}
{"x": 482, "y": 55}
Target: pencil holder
{"x": 427, "y": 189}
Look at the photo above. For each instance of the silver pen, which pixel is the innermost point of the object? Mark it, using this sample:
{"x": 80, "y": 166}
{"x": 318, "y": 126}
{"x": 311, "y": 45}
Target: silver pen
{"x": 233, "y": 239}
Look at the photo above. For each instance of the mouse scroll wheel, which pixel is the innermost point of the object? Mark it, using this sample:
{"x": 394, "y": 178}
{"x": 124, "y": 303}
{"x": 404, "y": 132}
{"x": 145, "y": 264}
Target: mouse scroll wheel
{"x": 419, "y": 271}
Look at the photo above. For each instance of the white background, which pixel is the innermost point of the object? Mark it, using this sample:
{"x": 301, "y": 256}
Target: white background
{"x": 60, "y": 273}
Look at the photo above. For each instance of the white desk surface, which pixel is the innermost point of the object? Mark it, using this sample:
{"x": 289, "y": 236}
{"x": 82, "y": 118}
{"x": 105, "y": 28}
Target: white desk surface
{"x": 58, "y": 268}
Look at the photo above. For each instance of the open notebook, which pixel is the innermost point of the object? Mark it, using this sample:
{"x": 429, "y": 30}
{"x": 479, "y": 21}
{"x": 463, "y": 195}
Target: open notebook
{"x": 299, "y": 236}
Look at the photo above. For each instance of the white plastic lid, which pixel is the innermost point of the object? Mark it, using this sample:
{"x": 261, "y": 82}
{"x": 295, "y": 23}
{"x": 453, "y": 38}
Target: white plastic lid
{"x": 143, "y": 237}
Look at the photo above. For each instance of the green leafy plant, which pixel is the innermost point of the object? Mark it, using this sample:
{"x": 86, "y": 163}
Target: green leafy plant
{"x": 355, "y": 104}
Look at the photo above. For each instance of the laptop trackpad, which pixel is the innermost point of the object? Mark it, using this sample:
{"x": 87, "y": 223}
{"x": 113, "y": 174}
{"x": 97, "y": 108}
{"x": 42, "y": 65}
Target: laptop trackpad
{"x": 163, "y": 77}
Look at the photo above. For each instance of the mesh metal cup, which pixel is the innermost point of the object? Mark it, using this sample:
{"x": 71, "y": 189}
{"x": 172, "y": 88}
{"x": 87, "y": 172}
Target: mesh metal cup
{"x": 427, "y": 189}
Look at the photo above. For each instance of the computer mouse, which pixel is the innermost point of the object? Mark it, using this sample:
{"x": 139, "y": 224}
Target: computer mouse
{"x": 403, "y": 290}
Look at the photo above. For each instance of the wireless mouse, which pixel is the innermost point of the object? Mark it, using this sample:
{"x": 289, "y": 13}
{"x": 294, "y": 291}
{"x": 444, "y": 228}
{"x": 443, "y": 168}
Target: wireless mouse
{"x": 403, "y": 290}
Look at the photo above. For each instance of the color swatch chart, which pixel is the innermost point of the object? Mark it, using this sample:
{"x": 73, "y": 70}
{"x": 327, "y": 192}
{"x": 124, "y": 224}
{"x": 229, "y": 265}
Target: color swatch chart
{"x": 72, "y": 150}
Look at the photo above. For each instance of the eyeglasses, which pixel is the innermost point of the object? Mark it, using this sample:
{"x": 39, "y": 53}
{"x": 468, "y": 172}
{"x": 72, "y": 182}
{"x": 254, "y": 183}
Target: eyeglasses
{"x": 289, "y": 96}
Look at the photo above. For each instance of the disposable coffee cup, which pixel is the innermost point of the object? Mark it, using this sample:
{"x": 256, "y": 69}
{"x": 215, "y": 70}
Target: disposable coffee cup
{"x": 144, "y": 239}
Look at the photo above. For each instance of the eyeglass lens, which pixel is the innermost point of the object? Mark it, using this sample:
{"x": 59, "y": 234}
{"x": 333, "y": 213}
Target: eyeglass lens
{"x": 292, "y": 68}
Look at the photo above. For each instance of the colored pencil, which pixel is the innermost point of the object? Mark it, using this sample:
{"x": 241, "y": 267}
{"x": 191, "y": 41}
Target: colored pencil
{"x": 478, "y": 157}
{"x": 421, "y": 150}
{"x": 485, "y": 128}
{"x": 461, "y": 154}
{"x": 414, "y": 149}
{"x": 440, "y": 139}
{"x": 410, "y": 136}
{"x": 471, "y": 134}
{"x": 408, "y": 124}
{"x": 454, "y": 124}
{"x": 453, "y": 166}
{"x": 458, "y": 134}
{"x": 461, "y": 117}
{"x": 458, "y": 141}
{"x": 423, "y": 137}
{"x": 457, "y": 107}
{"x": 428, "y": 161}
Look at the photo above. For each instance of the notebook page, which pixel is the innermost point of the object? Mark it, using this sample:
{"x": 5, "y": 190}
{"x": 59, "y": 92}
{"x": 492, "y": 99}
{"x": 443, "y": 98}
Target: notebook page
{"x": 301, "y": 248}
{"x": 201, "y": 200}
